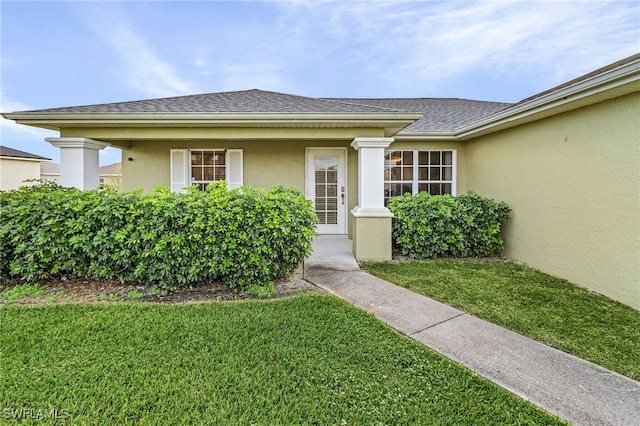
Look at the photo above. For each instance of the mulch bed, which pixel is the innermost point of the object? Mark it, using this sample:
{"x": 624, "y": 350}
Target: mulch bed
{"x": 81, "y": 290}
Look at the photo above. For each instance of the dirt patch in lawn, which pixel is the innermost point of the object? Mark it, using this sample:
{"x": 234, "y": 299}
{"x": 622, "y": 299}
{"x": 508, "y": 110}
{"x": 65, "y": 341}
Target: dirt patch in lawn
{"x": 80, "y": 290}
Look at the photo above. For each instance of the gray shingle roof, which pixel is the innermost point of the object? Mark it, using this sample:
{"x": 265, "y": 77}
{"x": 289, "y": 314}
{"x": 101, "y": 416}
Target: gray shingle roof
{"x": 5, "y": 151}
{"x": 440, "y": 114}
{"x": 230, "y": 102}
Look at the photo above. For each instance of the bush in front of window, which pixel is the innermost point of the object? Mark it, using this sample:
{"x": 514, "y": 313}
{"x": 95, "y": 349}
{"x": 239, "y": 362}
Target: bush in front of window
{"x": 427, "y": 226}
{"x": 242, "y": 237}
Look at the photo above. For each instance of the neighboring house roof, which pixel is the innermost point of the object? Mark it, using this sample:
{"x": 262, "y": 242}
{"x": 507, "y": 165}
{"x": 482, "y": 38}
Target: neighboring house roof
{"x": 111, "y": 169}
{"x": 49, "y": 168}
{"x": 5, "y": 151}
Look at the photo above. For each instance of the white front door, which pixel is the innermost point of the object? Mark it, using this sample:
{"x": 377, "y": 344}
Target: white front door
{"x": 327, "y": 188}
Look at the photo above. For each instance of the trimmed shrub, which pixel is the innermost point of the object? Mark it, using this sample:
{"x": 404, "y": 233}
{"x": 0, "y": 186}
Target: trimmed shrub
{"x": 426, "y": 226}
{"x": 243, "y": 237}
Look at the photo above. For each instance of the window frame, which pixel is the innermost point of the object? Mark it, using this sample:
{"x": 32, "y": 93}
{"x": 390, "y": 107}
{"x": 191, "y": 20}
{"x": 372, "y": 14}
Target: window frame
{"x": 415, "y": 180}
{"x": 181, "y": 174}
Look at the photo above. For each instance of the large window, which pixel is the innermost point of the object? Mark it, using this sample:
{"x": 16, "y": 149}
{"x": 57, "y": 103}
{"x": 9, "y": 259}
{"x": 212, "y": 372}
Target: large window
{"x": 207, "y": 167}
{"x": 416, "y": 171}
{"x": 200, "y": 167}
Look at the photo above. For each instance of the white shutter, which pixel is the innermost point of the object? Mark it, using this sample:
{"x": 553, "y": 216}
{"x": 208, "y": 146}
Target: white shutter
{"x": 234, "y": 168}
{"x": 179, "y": 170}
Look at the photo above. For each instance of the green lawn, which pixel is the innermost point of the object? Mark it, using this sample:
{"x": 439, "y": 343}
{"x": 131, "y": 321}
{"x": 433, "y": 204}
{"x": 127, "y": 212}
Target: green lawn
{"x": 547, "y": 309}
{"x": 310, "y": 359}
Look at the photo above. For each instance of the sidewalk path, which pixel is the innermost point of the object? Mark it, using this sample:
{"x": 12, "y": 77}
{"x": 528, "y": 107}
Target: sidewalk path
{"x": 569, "y": 387}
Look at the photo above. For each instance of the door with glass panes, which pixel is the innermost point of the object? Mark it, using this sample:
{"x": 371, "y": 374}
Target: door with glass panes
{"x": 327, "y": 188}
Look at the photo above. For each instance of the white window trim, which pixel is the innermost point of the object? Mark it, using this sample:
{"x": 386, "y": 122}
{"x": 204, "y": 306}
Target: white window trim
{"x": 180, "y": 167}
{"x": 415, "y": 181}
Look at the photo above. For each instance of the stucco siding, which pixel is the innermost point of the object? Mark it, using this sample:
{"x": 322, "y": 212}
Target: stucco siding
{"x": 265, "y": 163}
{"x": 14, "y": 172}
{"x": 573, "y": 182}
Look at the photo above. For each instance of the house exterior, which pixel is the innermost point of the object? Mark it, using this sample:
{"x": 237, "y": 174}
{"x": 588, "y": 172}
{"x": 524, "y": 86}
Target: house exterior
{"x": 17, "y": 166}
{"x": 110, "y": 174}
{"x": 567, "y": 161}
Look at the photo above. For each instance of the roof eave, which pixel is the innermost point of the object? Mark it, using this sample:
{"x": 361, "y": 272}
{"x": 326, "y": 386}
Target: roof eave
{"x": 608, "y": 85}
{"x": 430, "y": 135}
{"x": 392, "y": 122}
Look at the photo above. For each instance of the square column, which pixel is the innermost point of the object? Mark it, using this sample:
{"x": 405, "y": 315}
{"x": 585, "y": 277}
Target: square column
{"x": 79, "y": 161}
{"x": 372, "y": 220}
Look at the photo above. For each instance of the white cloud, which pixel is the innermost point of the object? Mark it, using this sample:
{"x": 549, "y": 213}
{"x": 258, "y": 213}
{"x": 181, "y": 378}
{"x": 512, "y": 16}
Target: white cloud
{"x": 145, "y": 71}
{"x": 9, "y": 129}
{"x": 432, "y": 43}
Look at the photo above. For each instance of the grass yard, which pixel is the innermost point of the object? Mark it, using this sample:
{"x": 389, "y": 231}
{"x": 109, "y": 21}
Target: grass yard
{"x": 311, "y": 359}
{"x": 527, "y": 301}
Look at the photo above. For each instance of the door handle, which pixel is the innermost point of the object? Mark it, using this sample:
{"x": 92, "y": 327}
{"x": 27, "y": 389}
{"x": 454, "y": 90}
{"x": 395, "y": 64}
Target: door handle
{"x": 342, "y": 193}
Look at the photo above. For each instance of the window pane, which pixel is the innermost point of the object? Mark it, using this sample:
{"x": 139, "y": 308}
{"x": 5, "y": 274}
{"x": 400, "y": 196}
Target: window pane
{"x": 396, "y": 173}
{"x": 220, "y": 173}
{"x": 207, "y": 158}
{"x": 423, "y": 187}
{"x": 448, "y": 173}
{"x": 423, "y": 173}
{"x": 395, "y": 157}
{"x": 446, "y": 188}
{"x": 220, "y": 158}
{"x": 435, "y": 158}
{"x": 434, "y": 173}
{"x": 395, "y": 189}
{"x": 407, "y": 158}
{"x": 423, "y": 158}
{"x": 407, "y": 173}
{"x": 434, "y": 189}
{"x": 196, "y": 158}
{"x": 447, "y": 158}
{"x": 196, "y": 173}
{"x": 332, "y": 190}
{"x": 207, "y": 173}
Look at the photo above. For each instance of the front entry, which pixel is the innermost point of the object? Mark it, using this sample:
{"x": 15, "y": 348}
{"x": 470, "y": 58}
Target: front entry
{"x": 327, "y": 188}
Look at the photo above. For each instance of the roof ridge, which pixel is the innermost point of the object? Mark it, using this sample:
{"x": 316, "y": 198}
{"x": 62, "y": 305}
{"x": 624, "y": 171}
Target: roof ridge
{"x": 343, "y": 101}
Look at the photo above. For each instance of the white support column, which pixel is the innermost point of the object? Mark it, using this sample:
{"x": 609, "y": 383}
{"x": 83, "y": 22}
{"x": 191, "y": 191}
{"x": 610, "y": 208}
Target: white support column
{"x": 79, "y": 161}
{"x": 372, "y": 233}
{"x": 371, "y": 175}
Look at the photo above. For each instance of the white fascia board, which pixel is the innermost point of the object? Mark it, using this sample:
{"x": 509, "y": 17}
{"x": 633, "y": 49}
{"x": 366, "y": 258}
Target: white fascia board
{"x": 426, "y": 136}
{"x": 61, "y": 120}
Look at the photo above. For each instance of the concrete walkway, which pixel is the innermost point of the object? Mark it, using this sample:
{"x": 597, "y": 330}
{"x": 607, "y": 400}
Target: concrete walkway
{"x": 569, "y": 387}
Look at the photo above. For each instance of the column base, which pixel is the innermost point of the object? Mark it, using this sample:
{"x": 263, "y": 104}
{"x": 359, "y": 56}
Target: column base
{"x": 372, "y": 233}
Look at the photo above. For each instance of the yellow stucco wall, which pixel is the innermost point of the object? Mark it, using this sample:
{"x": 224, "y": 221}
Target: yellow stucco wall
{"x": 573, "y": 182}
{"x": 13, "y": 172}
{"x": 265, "y": 163}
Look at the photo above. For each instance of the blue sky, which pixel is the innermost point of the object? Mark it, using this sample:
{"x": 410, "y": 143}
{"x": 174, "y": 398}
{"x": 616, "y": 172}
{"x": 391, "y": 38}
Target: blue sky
{"x": 63, "y": 53}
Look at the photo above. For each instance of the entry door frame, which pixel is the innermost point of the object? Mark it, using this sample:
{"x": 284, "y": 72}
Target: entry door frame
{"x": 310, "y": 191}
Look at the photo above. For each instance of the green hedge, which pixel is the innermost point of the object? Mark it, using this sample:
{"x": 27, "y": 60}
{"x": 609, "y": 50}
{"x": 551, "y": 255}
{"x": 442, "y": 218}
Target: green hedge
{"x": 242, "y": 237}
{"x": 426, "y": 226}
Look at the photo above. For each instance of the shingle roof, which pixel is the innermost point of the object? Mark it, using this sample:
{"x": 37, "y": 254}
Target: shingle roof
{"x": 5, "y": 151}
{"x": 440, "y": 114}
{"x": 225, "y": 102}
